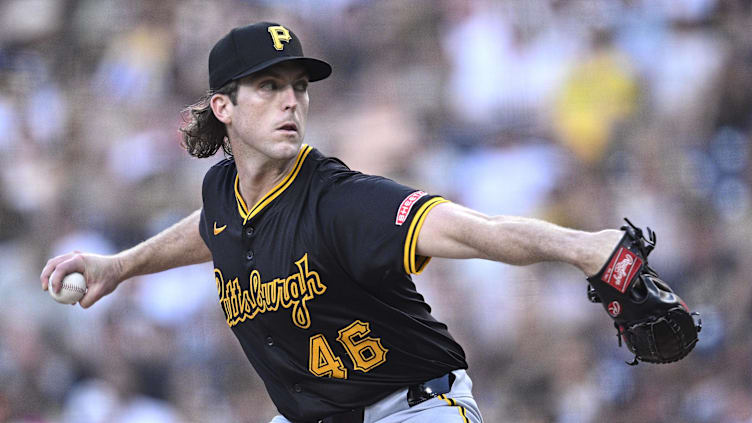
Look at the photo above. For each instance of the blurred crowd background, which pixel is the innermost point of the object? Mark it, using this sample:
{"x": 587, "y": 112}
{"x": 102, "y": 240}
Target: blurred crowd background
{"x": 580, "y": 112}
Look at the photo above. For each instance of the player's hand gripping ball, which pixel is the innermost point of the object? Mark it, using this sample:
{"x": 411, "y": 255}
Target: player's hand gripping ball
{"x": 74, "y": 288}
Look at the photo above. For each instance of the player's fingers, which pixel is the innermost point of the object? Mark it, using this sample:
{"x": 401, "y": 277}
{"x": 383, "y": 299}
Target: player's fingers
{"x": 74, "y": 263}
{"x": 93, "y": 294}
{"x": 89, "y": 298}
{"x": 52, "y": 263}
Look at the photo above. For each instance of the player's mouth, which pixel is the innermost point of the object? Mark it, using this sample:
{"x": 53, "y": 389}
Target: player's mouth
{"x": 288, "y": 127}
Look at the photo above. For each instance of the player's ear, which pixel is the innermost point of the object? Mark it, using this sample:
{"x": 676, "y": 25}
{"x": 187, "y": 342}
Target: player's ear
{"x": 222, "y": 107}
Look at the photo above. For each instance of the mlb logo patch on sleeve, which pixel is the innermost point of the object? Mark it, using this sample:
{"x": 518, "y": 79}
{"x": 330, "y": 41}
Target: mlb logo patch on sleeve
{"x": 407, "y": 204}
{"x": 622, "y": 268}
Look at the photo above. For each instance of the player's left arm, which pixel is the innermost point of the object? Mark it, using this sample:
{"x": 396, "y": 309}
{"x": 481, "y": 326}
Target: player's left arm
{"x": 454, "y": 231}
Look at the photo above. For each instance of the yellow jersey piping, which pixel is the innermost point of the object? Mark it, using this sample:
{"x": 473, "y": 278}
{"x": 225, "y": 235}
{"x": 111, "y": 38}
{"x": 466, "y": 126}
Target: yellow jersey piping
{"x": 453, "y": 403}
{"x": 411, "y": 241}
{"x": 274, "y": 192}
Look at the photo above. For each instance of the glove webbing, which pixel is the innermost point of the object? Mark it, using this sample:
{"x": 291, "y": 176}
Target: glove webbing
{"x": 673, "y": 325}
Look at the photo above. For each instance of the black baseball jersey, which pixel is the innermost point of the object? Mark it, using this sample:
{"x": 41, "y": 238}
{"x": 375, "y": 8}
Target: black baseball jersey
{"x": 314, "y": 281}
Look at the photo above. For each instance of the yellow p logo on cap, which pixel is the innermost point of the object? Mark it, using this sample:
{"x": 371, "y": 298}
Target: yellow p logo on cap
{"x": 279, "y": 33}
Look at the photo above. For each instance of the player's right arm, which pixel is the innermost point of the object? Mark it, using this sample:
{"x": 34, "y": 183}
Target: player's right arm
{"x": 179, "y": 245}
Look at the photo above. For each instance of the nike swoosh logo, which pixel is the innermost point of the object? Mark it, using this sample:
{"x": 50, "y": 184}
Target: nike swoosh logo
{"x": 217, "y": 230}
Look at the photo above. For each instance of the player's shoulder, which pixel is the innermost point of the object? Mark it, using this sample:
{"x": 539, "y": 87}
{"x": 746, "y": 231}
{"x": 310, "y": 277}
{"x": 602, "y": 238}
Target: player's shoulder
{"x": 224, "y": 166}
{"x": 338, "y": 184}
{"x": 221, "y": 173}
{"x": 334, "y": 172}
{"x": 327, "y": 165}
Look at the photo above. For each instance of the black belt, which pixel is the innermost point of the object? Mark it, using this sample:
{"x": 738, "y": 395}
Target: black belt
{"x": 416, "y": 394}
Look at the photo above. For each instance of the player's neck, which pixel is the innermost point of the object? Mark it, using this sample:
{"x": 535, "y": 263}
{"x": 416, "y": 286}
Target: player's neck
{"x": 259, "y": 175}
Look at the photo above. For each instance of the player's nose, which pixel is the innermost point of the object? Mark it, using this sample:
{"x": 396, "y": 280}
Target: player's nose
{"x": 289, "y": 98}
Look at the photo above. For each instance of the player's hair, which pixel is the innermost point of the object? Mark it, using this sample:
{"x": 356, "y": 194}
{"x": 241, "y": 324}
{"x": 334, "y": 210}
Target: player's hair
{"x": 203, "y": 133}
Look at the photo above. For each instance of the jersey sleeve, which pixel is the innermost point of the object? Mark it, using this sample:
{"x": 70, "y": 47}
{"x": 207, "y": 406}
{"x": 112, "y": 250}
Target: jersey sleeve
{"x": 374, "y": 224}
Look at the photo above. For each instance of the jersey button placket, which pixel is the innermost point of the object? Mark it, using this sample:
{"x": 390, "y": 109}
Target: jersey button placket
{"x": 248, "y": 233}
{"x": 270, "y": 341}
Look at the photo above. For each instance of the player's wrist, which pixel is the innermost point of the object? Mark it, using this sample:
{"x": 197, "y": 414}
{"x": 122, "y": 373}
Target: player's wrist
{"x": 122, "y": 266}
{"x": 597, "y": 248}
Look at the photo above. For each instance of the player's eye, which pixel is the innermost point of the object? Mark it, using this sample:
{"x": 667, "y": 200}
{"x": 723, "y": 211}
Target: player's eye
{"x": 268, "y": 85}
{"x": 301, "y": 86}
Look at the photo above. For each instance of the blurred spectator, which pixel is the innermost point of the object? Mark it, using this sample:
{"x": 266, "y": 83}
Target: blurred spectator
{"x": 599, "y": 94}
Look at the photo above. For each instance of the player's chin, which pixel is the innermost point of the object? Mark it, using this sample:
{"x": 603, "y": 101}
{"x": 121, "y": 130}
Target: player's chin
{"x": 288, "y": 142}
{"x": 288, "y": 136}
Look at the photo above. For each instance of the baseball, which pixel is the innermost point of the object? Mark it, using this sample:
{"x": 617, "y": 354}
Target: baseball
{"x": 74, "y": 288}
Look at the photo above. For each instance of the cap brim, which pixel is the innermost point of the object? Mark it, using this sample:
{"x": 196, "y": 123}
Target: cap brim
{"x": 315, "y": 68}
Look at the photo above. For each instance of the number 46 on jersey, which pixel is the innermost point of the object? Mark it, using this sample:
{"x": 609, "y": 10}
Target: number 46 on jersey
{"x": 365, "y": 352}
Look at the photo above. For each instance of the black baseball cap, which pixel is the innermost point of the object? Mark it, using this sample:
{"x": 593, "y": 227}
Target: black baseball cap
{"x": 252, "y": 48}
